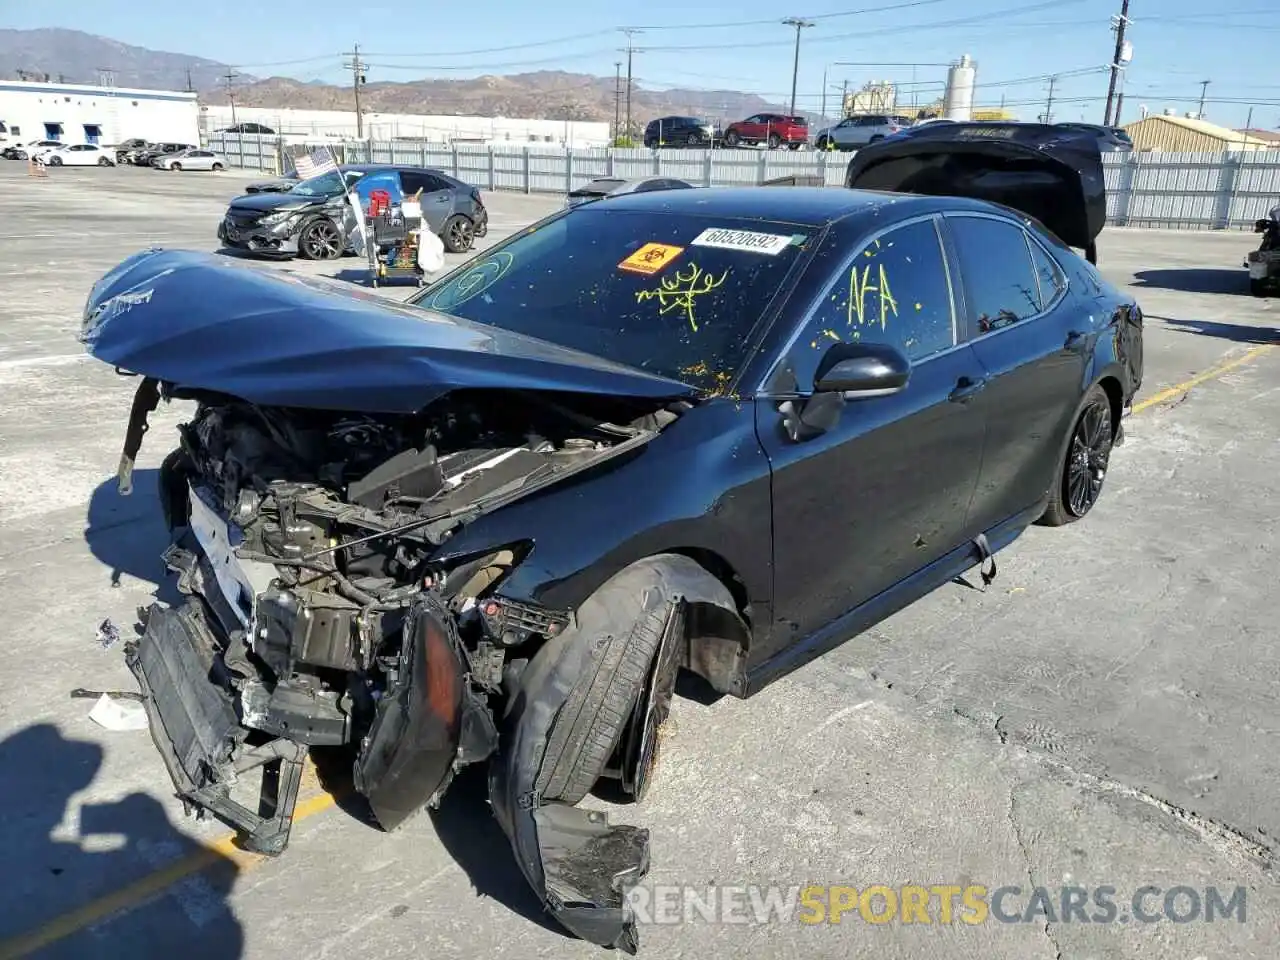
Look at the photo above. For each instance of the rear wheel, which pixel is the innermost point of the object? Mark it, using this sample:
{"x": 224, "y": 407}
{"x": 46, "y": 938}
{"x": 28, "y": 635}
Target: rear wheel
{"x": 1257, "y": 287}
{"x": 1084, "y": 468}
{"x": 217, "y": 167}
{"x": 775, "y": 141}
{"x": 458, "y": 234}
{"x": 104, "y": 162}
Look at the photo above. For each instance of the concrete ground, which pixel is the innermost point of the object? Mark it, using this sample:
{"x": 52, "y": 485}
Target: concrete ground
{"x": 1105, "y": 714}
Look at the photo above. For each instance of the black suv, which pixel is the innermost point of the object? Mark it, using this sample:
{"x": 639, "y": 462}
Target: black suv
{"x": 679, "y": 132}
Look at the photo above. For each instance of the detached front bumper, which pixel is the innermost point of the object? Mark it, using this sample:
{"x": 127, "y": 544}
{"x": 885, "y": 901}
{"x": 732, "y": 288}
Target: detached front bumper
{"x": 195, "y": 726}
{"x": 213, "y": 727}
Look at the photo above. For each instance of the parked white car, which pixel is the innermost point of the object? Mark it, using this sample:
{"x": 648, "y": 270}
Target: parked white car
{"x": 193, "y": 160}
{"x": 77, "y": 155}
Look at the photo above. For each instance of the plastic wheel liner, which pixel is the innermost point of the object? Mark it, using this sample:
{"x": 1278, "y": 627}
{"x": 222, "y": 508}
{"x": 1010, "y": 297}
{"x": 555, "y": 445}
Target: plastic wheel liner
{"x": 581, "y": 866}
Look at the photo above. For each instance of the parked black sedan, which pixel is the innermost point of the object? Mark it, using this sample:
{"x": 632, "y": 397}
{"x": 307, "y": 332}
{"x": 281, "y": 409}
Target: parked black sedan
{"x": 314, "y": 219}
{"x": 719, "y": 430}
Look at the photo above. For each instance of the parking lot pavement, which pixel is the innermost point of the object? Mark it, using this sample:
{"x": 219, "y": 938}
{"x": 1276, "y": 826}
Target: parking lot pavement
{"x": 1104, "y": 714}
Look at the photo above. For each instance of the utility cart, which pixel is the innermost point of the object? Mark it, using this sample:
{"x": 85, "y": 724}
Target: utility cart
{"x": 393, "y": 230}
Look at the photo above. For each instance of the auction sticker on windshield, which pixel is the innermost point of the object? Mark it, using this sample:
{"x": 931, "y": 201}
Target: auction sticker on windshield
{"x": 770, "y": 243}
{"x": 650, "y": 258}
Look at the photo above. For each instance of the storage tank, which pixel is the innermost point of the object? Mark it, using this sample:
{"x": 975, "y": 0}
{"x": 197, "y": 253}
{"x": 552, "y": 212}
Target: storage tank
{"x": 958, "y": 101}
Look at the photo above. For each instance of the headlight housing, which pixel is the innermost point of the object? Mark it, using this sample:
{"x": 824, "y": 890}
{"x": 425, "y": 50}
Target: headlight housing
{"x": 280, "y": 216}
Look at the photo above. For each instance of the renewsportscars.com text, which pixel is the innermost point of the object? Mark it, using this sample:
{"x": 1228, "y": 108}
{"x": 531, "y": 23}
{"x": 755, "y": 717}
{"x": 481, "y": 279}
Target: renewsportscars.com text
{"x": 969, "y": 904}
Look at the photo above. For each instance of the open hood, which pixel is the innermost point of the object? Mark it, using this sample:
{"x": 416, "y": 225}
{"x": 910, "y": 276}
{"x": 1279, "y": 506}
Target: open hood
{"x": 1051, "y": 173}
{"x": 205, "y": 322}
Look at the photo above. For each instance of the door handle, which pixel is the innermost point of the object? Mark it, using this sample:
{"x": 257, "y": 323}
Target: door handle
{"x": 966, "y": 388}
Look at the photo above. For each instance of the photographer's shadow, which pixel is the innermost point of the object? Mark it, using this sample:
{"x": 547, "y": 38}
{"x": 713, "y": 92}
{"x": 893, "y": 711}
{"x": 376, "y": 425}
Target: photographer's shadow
{"x": 113, "y": 879}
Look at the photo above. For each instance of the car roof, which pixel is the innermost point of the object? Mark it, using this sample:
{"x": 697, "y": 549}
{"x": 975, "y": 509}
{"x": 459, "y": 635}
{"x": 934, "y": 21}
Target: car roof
{"x": 808, "y": 206}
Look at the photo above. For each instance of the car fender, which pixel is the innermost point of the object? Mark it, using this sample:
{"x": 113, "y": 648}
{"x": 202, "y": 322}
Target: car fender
{"x": 581, "y": 867}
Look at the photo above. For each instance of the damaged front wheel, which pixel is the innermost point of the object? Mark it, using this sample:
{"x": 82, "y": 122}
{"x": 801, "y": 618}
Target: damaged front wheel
{"x": 603, "y": 682}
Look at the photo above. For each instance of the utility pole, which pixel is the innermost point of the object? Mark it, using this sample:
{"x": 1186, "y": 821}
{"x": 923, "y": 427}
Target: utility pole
{"x": 799, "y": 23}
{"x": 844, "y": 99}
{"x": 1121, "y": 22}
{"x": 617, "y": 99}
{"x": 357, "y": 68}
{"x": 630, "y": 49}
{"x": 824, "y": 92}
{"x": 230, "y": 79}
{"x": 1204, "y": 89}
{"x": 190, "y": 88}
{"x": 1048, "y": 107}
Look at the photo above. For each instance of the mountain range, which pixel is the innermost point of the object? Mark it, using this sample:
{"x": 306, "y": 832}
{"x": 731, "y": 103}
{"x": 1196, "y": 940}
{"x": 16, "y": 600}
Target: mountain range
{"x": 70, "y": 56}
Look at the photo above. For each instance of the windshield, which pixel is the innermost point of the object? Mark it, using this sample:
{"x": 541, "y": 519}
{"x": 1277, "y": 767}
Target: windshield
{"x": 325, "y": 185}
{"x": 672, "y": 293}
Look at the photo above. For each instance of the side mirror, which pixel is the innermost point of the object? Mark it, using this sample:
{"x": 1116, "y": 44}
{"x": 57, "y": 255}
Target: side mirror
{"x": 862, "y": 370}
{"x": 1260, "y": 226}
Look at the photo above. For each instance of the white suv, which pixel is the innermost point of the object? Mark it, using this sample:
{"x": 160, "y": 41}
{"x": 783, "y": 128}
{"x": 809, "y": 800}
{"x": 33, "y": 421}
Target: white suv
{"x": 853, "y": 132}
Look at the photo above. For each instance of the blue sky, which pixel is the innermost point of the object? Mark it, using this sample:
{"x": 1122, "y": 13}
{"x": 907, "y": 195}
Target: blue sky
{"x": 741, "y": 44}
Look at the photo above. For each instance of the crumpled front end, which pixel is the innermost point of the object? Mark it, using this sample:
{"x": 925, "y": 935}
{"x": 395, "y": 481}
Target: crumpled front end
{"x": 323, "y": 609}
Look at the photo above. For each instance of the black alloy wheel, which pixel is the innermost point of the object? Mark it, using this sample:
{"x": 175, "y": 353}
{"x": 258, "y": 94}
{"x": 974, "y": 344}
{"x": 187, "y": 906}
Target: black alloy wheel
{"x": 459, "y": 234}
{"x": 320, "y": 241}
{"x": 1084, "y": 468}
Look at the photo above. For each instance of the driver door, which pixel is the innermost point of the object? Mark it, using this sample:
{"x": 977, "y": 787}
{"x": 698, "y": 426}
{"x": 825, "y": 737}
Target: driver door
{"x": 883, "y": 491}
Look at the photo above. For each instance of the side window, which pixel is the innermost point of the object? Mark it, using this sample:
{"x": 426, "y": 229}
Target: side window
{"x": 411, "y": 183}
{"x": 895, "y": 291}
{"x": 1048, "y": 274}
{"x": 999, "y": 280}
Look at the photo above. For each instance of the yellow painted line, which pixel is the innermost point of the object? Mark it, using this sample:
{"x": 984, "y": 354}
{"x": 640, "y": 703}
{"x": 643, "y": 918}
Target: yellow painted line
{"x": 1172, "y": 393}
{"x": 220, "y": 851}
{"x": 224, "y": 849}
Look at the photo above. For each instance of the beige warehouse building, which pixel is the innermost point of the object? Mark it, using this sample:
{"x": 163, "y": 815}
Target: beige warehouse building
{"x": 1165, "y": 133}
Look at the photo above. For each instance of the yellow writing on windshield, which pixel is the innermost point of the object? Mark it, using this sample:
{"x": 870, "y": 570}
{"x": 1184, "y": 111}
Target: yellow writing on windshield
{"x": 864, "y": 284}
{"x": 680, "y": 292}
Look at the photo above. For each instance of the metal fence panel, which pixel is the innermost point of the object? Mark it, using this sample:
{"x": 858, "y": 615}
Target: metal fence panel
{"x": 1177, "y": 190}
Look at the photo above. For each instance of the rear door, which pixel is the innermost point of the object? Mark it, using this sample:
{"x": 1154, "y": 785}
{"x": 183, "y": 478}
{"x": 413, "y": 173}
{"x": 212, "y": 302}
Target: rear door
{"x": 1032, "y": 341}
{"x": 437, "y": 196}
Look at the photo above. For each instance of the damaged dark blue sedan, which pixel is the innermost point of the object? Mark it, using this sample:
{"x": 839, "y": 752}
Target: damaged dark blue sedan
{"x": 713, "y": 430}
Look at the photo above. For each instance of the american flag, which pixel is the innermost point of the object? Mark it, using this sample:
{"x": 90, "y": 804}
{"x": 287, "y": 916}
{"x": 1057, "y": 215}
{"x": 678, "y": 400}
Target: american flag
{"x": 318, "y": 161}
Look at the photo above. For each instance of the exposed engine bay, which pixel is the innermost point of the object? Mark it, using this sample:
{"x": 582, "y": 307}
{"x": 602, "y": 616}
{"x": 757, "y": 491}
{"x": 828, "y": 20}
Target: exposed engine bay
{"x": 304, "y": 543}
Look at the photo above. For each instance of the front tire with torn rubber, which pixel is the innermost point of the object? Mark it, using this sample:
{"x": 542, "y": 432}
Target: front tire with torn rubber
{"x": 626, "y": 622}
{"x": 580, "y": 866}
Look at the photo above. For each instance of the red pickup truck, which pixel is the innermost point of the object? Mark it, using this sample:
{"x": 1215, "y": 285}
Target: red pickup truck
{"x": 774, "y": 129}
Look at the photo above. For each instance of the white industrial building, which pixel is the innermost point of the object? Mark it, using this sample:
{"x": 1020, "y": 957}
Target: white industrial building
{"x": 83, "y": 113}
{"x": 341, "y": 125}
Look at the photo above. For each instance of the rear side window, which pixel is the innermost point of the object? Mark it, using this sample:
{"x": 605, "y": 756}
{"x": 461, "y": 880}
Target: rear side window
{"x": 999, "y": 279}
{"x": 411, "y": 183}
{"x": 895, "y": 291}
{"x": 1049, "y": 275}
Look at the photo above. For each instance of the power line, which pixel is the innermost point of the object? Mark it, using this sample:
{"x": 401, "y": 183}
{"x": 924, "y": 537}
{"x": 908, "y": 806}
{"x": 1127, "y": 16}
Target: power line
{"x": 230, "y": 78}
{"x": 799, "y": 23}
{"x": 1120, "y": 23}
{"x": 357, "y": 68}
{"x": 617, "y": 98}
{"x": 629, "y": 32}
